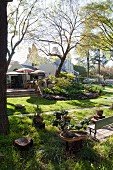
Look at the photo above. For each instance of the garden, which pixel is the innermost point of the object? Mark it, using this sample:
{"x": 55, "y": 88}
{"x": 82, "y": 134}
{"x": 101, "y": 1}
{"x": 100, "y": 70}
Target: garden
{"x": 48, "y": 150}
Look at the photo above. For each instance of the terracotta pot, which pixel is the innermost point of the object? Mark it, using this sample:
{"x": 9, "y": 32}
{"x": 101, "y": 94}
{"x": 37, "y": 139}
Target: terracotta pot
{"x": 99, "y": 112}
{"x": 73, "y": 135}
{"x": 66, "y": 118}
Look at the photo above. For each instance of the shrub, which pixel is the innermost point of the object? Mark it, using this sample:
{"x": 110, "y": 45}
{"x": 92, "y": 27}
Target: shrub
{"x": 67, "y": 76}
{"x": 48, "y": 91}
{"x": 93, "y": 88}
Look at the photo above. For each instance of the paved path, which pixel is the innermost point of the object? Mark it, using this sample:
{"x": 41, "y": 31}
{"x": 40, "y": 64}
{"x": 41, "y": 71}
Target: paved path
{"x": 71, "y": 110}
{"x": 103, "y": 133}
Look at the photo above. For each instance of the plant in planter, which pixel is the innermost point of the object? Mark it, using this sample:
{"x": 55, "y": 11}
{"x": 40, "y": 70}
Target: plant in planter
{"x": 99, "y": 111}
{"x": 62, "y": 120}
{"x": 38, "y": 120}
{"x": 83, "y": 124}
{"x": 74, "y": 136}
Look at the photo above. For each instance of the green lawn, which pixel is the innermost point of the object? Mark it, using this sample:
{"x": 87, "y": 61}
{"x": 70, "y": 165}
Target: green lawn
{"x": 51, "y": 105}
{"x": 48, "y": 151}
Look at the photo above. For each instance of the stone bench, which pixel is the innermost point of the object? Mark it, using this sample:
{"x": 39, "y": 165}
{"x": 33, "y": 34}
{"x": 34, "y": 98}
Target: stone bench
{"x": 100, "y": 124}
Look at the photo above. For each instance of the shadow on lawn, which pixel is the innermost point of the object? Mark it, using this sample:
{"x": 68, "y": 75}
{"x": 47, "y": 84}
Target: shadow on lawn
{"x": 53, "y": 150}
{"x": 96, "y": 160}
{"x": 20, "y": 159}
{"x": 48, "y": 151}
{"x": 13, "y": 110}
{"x": 40, "y": 100}
{"x": 79, "y": 103}
{"x": 82, "y": 103}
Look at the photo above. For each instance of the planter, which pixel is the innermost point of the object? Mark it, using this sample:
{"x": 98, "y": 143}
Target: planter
{"x": 74, "y": 140}
{"x": 66, "y": 119}
{"x": 99, "y": 112}
{"x": 73, "y": 135}
{"x": 38, "y": 121}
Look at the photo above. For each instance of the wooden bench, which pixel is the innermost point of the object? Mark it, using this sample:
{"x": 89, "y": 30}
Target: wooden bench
{"x": 100, "y": 124}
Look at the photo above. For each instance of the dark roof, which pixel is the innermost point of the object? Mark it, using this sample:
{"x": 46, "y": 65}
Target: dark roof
{"x": 26, "y": 66}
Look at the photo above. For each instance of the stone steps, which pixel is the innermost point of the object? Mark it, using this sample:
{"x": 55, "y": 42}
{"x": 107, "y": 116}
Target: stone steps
{"x": 21, "y": 93}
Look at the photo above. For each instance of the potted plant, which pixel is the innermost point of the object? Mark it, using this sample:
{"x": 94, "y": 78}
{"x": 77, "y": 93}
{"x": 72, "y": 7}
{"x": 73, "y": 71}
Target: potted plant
{"x": 62, "y": 120}
{"x": 99, "y": 111}
{"x": 38, "y": 120}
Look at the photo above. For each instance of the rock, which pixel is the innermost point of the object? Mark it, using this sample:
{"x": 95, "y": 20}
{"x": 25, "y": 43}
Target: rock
{"x": 54, "y": 97}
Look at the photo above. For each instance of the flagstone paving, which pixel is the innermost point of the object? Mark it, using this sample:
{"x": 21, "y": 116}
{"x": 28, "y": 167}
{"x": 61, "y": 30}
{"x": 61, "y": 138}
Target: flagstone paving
{"x": 103, "y": 133}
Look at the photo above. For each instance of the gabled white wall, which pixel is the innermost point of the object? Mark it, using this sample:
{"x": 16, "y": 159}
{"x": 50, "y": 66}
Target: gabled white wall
{"x": 14, "y": 65}
{"x": 49, "y": 68}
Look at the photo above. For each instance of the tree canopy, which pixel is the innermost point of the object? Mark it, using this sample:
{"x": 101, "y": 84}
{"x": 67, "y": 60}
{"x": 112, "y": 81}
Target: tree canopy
{"x": 61, "y": 29}
{"x": 98, "y": 27}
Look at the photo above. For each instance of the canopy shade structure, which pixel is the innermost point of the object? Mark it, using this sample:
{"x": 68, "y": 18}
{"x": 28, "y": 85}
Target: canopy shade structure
{"x": 14, "y": 73}
{"x": 38, "y": 72}
{"x": 25, "y": 70}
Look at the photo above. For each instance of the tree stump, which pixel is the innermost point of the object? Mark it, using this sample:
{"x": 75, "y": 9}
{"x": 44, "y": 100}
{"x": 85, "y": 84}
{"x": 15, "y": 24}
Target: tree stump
{"x": 38, "y": 121}
{"x": 23, "y": 143}
{"x": 19, "y": 106}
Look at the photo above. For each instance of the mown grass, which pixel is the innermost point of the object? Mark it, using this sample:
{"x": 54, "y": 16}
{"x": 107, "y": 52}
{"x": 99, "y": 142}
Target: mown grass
{"x": 50, "y": 105}
{"x": 48, "y": 151}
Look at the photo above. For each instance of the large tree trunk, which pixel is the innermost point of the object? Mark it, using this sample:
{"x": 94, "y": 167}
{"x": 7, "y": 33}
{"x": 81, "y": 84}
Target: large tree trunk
{"x": 60, "y": 67}
{"x": 99, "y": 67}
{"x": 4, "y": 123}
{"x": 88, "y": 64}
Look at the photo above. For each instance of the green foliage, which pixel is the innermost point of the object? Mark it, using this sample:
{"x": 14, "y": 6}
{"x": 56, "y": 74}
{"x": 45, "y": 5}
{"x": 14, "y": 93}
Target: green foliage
{"x": 68, "y": 76}
{"x": 93, "y": 88}
{"x": 60, "y": 120}
{"x": 64, "y": 86}
{"x": 63, "y": 83}
{"x": 82, "y": 70}
{"x": 47, "y": 91}
{"x": 98, "y": 26}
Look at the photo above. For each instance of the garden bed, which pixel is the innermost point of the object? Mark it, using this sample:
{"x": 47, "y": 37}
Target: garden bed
{"x": 82, "y": 96}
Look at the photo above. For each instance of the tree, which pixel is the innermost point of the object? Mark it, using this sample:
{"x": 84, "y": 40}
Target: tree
{"x": 62, "y": 30}
{"x": 21, "y": 21}
{"x": 99, "y": 59}
{"x": 81, "y": 70}
{"x": 99, "y": 25}
{"x": 33, "y": 56}
{"x": 4, "y": 123}
{"x": 107, "y": 72}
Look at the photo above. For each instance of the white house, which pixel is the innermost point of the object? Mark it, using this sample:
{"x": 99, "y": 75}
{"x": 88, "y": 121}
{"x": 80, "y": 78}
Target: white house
{"x": 50, "y": 68}
{"x": 16, "y": 80}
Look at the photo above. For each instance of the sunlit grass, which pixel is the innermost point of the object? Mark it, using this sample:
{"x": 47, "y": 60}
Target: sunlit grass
{"x": 48, "y": 150}
{"x": 50, "y": 105}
